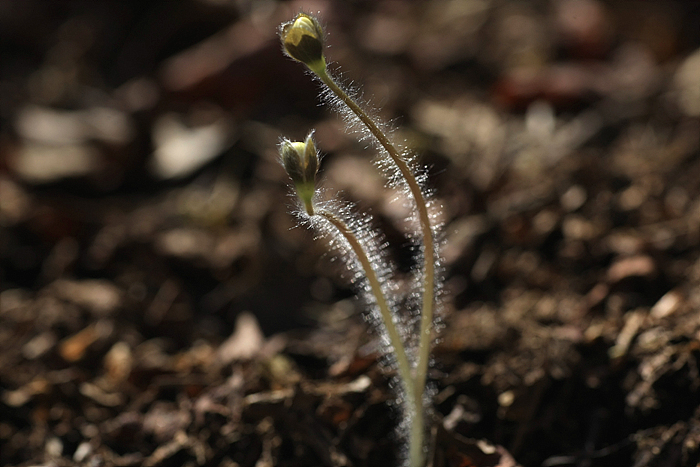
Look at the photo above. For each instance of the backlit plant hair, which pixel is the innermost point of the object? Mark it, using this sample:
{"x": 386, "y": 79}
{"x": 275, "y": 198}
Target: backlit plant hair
{"x": 303, "y": 40}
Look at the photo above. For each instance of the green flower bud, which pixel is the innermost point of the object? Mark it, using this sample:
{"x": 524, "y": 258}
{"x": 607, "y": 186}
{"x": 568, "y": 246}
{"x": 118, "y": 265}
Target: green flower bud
{"x": 300, "y": 160}
{"x": 302, "y": 39}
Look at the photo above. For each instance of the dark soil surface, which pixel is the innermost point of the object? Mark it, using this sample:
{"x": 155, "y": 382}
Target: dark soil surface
{"x": 158, "y": 307}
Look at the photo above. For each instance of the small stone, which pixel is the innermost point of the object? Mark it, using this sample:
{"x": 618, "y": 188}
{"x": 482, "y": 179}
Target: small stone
{"x": 83, "y": 451}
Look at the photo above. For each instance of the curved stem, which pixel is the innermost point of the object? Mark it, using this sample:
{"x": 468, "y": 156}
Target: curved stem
{"x": 402, "y": 363}
{"x": 428, "y": 252}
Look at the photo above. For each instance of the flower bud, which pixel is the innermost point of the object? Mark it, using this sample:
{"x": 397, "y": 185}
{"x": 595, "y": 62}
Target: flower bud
{"x": 302, "y": 39}
{"x": 300, "y": 160}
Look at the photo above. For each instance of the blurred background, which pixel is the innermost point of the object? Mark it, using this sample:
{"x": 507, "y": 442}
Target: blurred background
{"x": 144, "y": 221}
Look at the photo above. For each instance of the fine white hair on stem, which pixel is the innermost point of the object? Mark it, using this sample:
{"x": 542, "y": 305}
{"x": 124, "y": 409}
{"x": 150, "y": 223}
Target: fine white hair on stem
{"x": 303, "y": 41}
{"x": 374, "y": 245}
{"x": 354, "y": 125}
{"x": 352, "y": 237}
{"x": 396, "y": 181}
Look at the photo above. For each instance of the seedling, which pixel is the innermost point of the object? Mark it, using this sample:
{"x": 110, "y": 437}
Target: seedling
{"x": 353, "y": 236}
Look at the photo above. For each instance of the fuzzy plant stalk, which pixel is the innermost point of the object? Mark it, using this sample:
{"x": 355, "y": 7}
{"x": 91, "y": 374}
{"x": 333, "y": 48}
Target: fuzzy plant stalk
{"x": 303, "y": 41}
{"x": 349, "y": 233}
{"x": 301, "y": 161}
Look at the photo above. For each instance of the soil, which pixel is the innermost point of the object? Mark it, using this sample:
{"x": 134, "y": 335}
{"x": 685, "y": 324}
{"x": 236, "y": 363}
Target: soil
{"x": 159, "y": 306}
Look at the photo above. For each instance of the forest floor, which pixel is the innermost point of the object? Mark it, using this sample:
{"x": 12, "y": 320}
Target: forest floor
{"x": 158, "y": 307}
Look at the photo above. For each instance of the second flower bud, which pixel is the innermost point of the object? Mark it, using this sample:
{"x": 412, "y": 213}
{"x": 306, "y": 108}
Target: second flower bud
{"x": 300, "y": 160}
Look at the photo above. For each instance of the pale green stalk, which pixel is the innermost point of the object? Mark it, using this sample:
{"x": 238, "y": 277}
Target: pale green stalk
{"x": 302, "y": 40}
{"x": 404, "y": 367}
{"x": 417, "y": 428}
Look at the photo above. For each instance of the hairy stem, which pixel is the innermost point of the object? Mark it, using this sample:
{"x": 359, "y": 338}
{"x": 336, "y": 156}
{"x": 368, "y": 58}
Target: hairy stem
{"x": 428, "y": 255}
{"x": 402, "y": 363}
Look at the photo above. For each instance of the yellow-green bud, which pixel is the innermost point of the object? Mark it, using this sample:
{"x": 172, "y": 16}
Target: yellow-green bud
{"x": 302, "y": 39}
{"x": 300, "y": 160}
